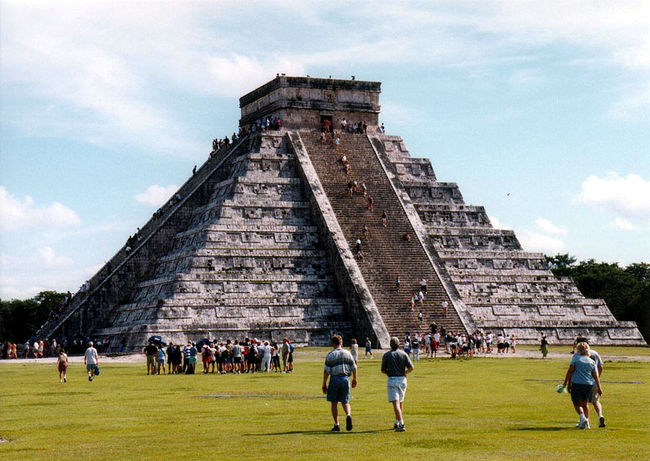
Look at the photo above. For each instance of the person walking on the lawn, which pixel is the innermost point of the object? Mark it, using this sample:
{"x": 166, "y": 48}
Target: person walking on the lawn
{"x": 91, "y": 359}
{"x": 396, "y": 364}
{"x": 595, "y": 396}
{"x": 580, "y": 379}
{"x": 339, "y": 365}
{"x": 62, "y": 365}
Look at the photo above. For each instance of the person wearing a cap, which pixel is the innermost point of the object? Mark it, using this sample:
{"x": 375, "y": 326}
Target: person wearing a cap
{"x": 339, "y": 365}
{"x": 151, "y": 351}
{"x": 396, "y": 364}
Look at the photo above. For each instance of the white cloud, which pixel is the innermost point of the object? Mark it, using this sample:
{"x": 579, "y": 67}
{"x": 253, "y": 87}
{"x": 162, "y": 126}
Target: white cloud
{"x": 238, "y": 74}
{"x": 49, "y": 259}
{"x": 21, "y": 214}
{"x": 24, "y": 277}
{"x": 89, "y": 64}
{"x": 497, "y": 224}
{"x": 545, "y": 240}
{"x": 548, "y": 227}
{"x": 624, "y": 224}
{"x": 156, "y": 195}
{"x": 534, "y": 241}
{"x": 108, "y": 68}
{"x": 627, "y": 196}
{"x": 634, "y": 103}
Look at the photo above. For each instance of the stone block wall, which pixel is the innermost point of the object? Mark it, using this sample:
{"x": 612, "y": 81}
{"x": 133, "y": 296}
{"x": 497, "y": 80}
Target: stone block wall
{"x": 504, "y": 287}
{"x": 250, "y": 262}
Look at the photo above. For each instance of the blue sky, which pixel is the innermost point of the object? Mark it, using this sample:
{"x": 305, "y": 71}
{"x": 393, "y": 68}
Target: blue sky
{"x": 540, "y": 111}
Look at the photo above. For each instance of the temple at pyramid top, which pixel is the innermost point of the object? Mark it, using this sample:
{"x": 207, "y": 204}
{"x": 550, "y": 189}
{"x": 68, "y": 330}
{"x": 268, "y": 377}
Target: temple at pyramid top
{"x": 292, "y": 230}
{"x": 306, "y": 102}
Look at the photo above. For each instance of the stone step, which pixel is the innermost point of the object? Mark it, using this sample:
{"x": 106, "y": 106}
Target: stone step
{"x": 386, "y": 253}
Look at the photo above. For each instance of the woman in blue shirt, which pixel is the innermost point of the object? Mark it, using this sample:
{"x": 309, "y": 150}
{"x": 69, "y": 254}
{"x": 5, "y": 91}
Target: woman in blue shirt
{"x": 579, "y": 381}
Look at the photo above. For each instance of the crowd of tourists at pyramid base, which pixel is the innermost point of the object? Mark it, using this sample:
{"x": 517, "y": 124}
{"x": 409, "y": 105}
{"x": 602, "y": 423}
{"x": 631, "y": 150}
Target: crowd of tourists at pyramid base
{"x": 253, "y": 355}
{"x": 35, "y": 348}
{"x": 456, "y": 343}
{"x": 248, "y": 356}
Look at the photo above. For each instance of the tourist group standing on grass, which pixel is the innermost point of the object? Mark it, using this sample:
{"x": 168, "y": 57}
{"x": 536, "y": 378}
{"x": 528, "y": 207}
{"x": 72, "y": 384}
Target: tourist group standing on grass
{"x": 582, "y": 379}
{"x": 247, "y": 356}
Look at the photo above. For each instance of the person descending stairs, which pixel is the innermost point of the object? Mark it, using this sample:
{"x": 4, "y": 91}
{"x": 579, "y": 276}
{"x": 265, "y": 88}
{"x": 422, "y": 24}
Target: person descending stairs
{"x": 380, "y": 234}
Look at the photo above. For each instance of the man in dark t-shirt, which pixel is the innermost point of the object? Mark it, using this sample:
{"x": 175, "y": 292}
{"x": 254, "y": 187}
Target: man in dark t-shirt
{"x": 396, "y": 364}
{"x": 151, "y": 351}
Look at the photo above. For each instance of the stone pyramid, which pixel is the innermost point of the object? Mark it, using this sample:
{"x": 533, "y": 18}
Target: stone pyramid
{"x": 262, "y": 242}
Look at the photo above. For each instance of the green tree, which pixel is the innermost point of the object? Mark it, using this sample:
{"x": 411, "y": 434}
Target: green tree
{"x": 625, "y": 290}
{"x": 20, "y": 319}
{"x": 561, "y": 264}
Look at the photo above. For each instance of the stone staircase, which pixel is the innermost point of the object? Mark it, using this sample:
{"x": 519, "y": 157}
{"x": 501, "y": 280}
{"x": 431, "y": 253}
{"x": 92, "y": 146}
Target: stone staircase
{"x": 248, "y": 263}
{"x": 504, "y": 287}
{"x": 386, "y": 253}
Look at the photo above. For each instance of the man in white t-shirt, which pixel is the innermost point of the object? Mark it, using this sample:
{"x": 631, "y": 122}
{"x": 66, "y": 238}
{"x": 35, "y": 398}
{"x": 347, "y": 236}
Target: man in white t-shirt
{"x": 266, "y": 358}
{"x": 91, "y": 359}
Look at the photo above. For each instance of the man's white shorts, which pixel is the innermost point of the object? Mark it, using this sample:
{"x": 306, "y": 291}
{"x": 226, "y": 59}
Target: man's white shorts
{"x": 396, "y": 388}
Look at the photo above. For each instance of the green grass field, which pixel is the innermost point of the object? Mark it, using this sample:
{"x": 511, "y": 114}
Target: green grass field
{"x": 455, "y": 409}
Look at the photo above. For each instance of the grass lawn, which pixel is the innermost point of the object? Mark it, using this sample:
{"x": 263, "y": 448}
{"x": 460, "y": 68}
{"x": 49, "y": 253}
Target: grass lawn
{"x": 455, "y": 409}
{"x": 617, "y": 351}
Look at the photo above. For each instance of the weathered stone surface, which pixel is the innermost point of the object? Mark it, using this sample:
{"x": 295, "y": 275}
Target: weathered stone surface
{"x": 251, "y": 245}
{"x": 503, "y": 287}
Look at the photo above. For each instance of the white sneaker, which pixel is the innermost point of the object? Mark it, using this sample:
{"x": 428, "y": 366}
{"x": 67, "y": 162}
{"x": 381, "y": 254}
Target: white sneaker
{"x": 586, "y": 425}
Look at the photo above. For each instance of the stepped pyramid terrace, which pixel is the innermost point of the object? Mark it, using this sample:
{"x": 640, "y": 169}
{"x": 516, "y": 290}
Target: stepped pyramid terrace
{"x": 263, "y": 242}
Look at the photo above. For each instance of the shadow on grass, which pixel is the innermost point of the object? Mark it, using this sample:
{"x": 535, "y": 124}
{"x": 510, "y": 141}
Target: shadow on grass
{"x": 322, "y": 432}
{"x": 544, "y": 428}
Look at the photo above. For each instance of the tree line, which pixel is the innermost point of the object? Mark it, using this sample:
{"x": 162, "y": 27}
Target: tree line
{"x": 626, "y": 290}
{"x": 20, "y": 319}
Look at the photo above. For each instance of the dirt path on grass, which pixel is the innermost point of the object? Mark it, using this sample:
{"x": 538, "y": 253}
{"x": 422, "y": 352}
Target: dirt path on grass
{"x": 559, "y": 352}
